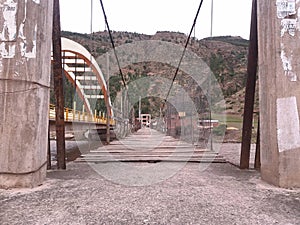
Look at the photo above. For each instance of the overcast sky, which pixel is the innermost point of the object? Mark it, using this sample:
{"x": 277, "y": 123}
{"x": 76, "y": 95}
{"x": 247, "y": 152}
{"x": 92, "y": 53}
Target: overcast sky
{"x": 231, "y": 17}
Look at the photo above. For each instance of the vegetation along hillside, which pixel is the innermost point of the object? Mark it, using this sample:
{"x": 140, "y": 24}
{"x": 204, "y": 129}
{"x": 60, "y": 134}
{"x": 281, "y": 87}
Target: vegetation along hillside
{"x": 226, "y": 56}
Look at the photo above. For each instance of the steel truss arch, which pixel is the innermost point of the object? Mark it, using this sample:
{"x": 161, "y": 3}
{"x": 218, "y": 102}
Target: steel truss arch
{"x": 82, "y": 70}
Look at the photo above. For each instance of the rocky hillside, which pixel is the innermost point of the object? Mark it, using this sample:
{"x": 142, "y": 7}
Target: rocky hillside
{"x": 226, "y": 56}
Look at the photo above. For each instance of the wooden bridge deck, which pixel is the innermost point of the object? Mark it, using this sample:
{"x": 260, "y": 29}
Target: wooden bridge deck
{"x": 150, "y": 146}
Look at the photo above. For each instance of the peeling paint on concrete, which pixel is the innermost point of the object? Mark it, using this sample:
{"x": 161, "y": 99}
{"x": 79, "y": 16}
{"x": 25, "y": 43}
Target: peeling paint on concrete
{"x": 7, "y": 51}
{"x": 285, "y": 8}
{"x": 290, "y": 26}
{"x": 287, "y": 65}
{"x": 27, "y": 53}
{"x": 1, "y": 66}
{"x": 10, "y": 34}
{"x": 9, "y": 14}
{"x": 24, "y": 45}
{"x": 9, "y": 28}
{"x": 288, "y": 129}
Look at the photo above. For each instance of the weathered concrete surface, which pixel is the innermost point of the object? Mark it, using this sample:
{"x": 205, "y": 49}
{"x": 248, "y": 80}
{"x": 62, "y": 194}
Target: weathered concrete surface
{"x": 221, "y": 194}
{"x": 279, "y": 75}
{"x": 25, "y": 51}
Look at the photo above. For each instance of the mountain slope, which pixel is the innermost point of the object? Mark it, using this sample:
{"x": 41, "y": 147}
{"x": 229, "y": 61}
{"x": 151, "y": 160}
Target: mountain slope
{"x": 226, "y": 57}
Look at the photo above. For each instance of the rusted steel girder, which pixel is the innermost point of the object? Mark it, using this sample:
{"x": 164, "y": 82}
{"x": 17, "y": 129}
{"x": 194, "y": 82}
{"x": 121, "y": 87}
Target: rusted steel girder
{"x": 257, "y": 162}
{"x": 250, "y": 90}
{"x": 58, "y": 87}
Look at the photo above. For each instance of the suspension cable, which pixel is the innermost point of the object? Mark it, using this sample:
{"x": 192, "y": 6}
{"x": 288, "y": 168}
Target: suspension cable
{"x": 113, "y": 44}
{"x": 184, "y": 50}
{"x": 211, "y": 17}
{"x": 209, "y": 82}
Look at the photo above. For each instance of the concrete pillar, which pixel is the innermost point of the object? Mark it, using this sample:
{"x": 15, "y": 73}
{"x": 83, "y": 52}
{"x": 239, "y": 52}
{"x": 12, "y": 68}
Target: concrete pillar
{"x": 279, "y": 78}
{"x": 25, "y": 56}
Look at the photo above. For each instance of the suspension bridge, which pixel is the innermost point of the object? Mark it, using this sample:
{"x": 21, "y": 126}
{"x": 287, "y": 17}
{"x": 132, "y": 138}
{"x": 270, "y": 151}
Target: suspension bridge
{"x": 82, "y": 70}
{"x": 26, "y": 65}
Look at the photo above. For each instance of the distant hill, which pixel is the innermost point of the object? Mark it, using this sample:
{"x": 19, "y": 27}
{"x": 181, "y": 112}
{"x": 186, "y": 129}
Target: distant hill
{"x": 226, "y": 56}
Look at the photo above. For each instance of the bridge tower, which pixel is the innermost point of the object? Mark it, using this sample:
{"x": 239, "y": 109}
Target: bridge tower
{"x": 25, "y": 62}
{"x": 279, "y": 77}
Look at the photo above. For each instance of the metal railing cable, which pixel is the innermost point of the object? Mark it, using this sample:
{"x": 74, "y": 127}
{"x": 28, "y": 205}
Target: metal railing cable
{"x": 184, "y": 51}
{"x": 113, "y": 45}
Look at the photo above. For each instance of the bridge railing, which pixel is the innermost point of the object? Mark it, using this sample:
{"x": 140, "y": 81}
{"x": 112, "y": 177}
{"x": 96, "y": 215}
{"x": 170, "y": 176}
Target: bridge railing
{"x": 79, "y": 116}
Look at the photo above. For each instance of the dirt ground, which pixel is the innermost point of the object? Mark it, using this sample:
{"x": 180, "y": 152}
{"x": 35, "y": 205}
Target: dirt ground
{"x": 194, "y": 193}
{"x": 213, "y": 194}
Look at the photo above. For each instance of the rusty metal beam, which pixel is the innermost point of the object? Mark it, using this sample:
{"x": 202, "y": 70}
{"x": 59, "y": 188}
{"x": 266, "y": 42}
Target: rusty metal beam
{"x": 250, "y": 90}
{"x": 49, "y": 150}
{"x": 257, "y": 162}
{"x": 58, "y": 87}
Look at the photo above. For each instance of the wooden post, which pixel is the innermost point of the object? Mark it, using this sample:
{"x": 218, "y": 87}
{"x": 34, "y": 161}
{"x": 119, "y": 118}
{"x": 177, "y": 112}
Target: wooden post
{"x": 58, "y": 87}
{"x": 192, "y": 128}
{"x": 74, "y": 110}
{"x": 108, "y": 113}
{"x": 168, "y": 119}
{"x": 67, "y": 113}
{"x": 83, "y": 113}
{"x": 250, "y": 91}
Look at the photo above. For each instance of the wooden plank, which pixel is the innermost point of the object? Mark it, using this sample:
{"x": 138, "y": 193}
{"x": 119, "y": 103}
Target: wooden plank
{"x": 166, "y": 151}
{"x": 157, "y": 152}
{"x": 163, "y": 155}
{"x": 197, "y": 160}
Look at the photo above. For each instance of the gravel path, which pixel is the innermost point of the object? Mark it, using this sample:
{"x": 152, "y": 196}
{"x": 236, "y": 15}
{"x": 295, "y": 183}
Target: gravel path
{"x": 221, "y": 194}
{"x": 195, "y": 194}
{"x": 232, "y": 152}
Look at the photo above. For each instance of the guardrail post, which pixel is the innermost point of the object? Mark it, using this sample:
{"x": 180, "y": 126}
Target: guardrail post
{"x": 83, "y": 113}
{"x": 67, "y": 114}
{"x": 74, "y": 110}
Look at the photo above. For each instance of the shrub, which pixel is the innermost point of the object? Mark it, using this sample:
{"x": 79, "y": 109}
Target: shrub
{"x": 219, "y": 130}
